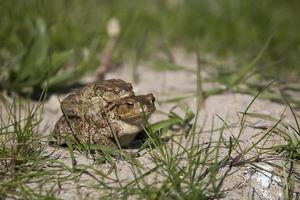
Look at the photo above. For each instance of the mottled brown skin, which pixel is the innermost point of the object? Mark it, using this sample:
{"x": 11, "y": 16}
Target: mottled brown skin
{"x": 95, "y": 97}
{"x": 125, "y": 117}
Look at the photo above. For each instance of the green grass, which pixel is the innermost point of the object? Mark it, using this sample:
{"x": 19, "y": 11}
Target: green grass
{"x": 52, "y": 44}
{"x": 28, "y": 170}
{"x": 184, "y": 164}
{"x": 55, "y": 43}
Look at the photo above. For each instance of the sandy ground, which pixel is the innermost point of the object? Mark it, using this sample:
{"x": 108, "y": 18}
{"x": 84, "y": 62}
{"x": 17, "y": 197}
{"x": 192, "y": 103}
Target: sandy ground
{"x": 246, "y": 183}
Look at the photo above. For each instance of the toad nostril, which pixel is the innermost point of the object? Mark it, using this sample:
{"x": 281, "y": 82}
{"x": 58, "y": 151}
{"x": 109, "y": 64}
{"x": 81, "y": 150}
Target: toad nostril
{"x": 153, "y": 99}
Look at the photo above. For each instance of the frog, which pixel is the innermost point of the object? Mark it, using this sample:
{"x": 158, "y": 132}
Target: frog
{"x": 118, "y": 122}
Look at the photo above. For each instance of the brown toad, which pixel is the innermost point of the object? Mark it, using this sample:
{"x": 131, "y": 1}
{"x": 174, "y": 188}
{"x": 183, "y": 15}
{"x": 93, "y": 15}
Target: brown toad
{"x": 118, "y": 120}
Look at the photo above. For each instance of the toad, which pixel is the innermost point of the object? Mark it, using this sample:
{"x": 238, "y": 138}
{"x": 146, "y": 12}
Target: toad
{"x": 98, "y": 115}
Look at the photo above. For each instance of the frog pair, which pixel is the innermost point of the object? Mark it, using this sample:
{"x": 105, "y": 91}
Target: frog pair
{"x": 105, "y": 113}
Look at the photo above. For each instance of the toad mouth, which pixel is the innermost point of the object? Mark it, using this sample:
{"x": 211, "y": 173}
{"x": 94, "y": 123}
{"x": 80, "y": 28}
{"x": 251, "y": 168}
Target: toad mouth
{"x": 136, "y": 119}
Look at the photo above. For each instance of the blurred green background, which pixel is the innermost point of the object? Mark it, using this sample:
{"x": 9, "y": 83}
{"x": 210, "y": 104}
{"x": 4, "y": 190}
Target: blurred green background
{"x": 60, "y": 40}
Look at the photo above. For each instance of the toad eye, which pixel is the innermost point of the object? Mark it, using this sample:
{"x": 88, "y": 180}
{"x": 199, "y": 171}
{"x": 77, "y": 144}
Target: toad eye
{"x": 130, "y": 104}
{"x": 117, "y": 90}
{"x": 98, "y": 89}
{"x": 109, "y": 89}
